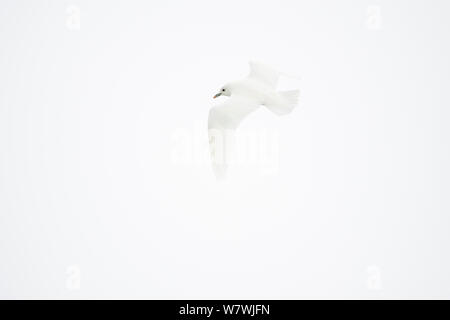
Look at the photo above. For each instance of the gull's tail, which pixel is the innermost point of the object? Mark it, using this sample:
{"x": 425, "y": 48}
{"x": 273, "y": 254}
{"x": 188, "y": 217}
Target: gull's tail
{"x": 286, "y": 102}
{"x": 291, "y": 98}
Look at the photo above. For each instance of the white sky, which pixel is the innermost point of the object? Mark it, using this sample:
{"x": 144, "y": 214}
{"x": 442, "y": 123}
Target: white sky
{"x": 359, "y": 206}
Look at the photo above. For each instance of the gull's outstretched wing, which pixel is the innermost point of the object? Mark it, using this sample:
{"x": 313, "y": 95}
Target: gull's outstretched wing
{"x": 222, "y": 122}
{"x": 264, "y": 74}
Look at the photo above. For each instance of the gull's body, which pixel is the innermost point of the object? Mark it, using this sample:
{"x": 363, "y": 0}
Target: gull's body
{"x": 245, "y": 96}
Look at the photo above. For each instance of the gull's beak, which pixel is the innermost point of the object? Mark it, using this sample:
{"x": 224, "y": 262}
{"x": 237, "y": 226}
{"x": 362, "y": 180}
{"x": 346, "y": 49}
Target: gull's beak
{"x": 217, "y": 95}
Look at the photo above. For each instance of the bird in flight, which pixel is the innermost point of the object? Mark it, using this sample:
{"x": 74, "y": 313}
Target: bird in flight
{"x": 244, "y": 97}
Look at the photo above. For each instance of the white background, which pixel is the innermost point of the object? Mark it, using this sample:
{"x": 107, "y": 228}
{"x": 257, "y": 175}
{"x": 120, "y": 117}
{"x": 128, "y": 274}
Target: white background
{"x": 91, "y": 205}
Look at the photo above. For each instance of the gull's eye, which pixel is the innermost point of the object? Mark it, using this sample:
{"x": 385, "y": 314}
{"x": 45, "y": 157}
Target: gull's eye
{"x": 223, "y": 90}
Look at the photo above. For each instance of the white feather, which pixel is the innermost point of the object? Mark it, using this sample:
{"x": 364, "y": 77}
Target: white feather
{"x": 246, "y": 95}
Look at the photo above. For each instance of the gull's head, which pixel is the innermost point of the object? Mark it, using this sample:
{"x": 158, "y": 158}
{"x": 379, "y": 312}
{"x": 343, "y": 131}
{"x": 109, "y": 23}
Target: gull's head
{"x": 224, "y": 91}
